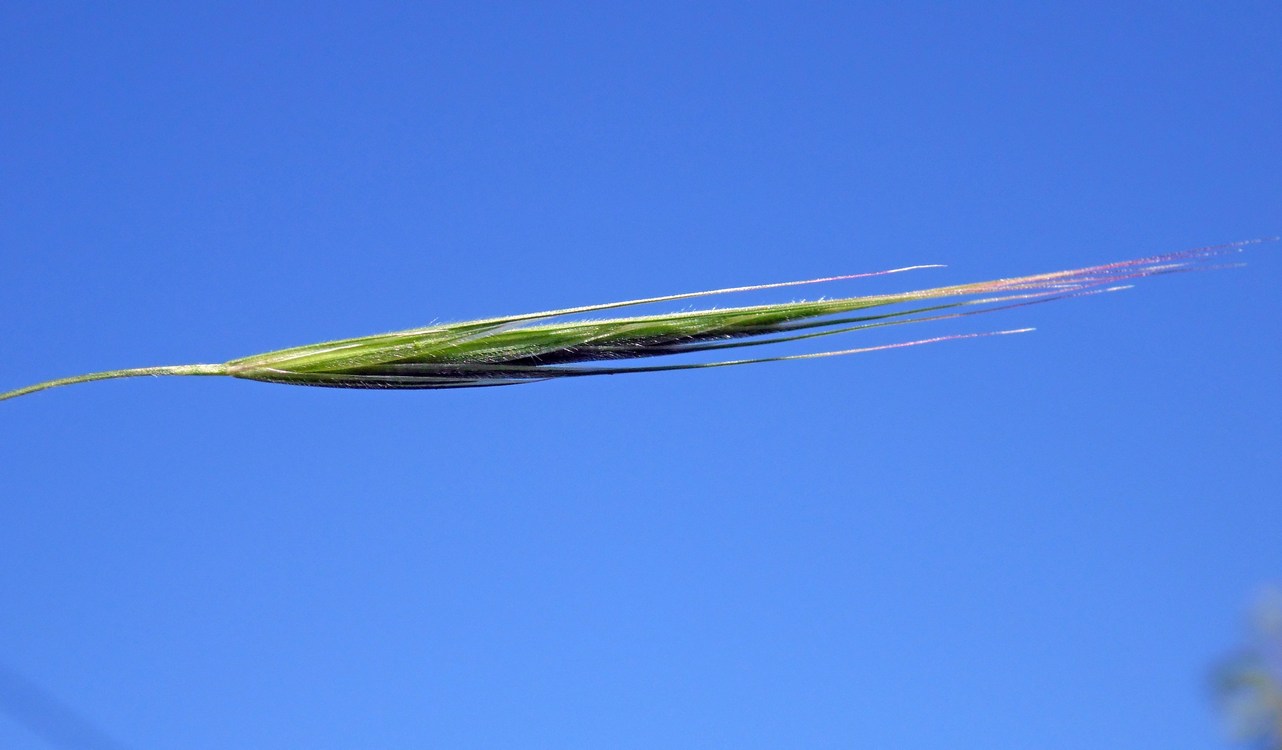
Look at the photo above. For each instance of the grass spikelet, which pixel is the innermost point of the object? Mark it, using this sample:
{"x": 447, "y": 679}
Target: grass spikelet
{"x": 562, "y": 344}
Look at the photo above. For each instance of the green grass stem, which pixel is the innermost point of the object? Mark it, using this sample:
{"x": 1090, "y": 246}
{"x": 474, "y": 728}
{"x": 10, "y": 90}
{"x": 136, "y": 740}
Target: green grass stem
{"x": 134, "y": 372}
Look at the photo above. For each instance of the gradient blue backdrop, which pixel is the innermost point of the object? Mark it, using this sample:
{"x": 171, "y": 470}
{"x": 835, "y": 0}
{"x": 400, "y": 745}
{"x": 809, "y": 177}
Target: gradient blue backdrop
{"x": 1041, "y": 541}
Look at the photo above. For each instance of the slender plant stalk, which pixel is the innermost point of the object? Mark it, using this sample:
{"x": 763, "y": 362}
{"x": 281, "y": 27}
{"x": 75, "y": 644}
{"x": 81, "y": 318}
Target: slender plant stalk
{"x": 132, "y": 372}
{"x": 563, "y": 344}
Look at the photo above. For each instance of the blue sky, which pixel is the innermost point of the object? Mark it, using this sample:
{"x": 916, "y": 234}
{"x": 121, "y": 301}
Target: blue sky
{"x": 1035, "y": 541}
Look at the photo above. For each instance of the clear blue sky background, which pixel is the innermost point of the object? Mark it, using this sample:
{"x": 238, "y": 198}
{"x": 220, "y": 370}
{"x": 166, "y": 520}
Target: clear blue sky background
{"x": 1041, "y": 541}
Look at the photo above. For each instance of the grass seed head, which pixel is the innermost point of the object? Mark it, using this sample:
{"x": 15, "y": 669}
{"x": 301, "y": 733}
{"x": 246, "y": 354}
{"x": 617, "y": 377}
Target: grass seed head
{"x": 561, "y": 343}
